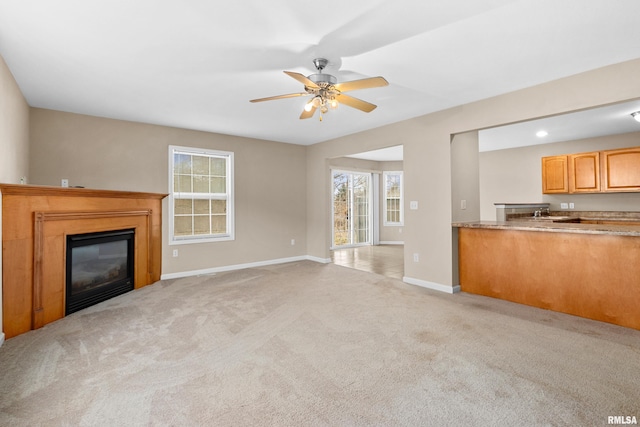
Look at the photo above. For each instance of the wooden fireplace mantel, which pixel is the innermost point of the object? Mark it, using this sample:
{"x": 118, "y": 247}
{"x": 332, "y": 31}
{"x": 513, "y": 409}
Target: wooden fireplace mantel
{"x": 35, "y": 223}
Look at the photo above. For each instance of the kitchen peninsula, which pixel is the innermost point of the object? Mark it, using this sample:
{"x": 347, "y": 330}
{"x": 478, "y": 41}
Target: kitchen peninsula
{"x": 589, "y": 269}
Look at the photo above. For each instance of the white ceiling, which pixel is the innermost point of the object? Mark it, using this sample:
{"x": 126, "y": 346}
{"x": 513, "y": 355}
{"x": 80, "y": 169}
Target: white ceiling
{"x": 196, "y": 63}
{"x": 603, "y": 121}
{"x": 389, "y": 154}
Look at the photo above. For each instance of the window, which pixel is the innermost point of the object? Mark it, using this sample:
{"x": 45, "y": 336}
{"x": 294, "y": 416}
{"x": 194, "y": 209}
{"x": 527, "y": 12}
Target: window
{"x": 393, "y": 195}
{"x": 201, "y": 195}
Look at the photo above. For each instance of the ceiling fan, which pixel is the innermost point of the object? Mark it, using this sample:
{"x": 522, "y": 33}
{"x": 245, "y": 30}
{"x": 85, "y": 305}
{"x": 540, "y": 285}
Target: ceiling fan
{"x": 327, "y": 92}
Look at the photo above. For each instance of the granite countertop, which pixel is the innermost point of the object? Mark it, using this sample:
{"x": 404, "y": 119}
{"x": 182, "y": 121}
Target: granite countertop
{"x": 554, "y": 227}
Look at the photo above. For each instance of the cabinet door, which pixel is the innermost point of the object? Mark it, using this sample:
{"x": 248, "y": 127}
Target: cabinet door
{"x": 554, "y": 175}
{"x": 584, "y": 173}
{"x": 621, "y": 170}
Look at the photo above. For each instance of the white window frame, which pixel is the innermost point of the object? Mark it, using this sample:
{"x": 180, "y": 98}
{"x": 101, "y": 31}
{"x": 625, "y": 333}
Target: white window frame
{"x": 228, "y": 196}
{"x": 401, "y": 204}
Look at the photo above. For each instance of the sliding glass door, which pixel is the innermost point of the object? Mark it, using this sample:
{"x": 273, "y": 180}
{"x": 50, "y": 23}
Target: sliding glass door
{"x": 351, "y": 208}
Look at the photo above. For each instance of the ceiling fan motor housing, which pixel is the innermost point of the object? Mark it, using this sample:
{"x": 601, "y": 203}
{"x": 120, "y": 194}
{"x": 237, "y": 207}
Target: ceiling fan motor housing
{"x": 319, "y": 79}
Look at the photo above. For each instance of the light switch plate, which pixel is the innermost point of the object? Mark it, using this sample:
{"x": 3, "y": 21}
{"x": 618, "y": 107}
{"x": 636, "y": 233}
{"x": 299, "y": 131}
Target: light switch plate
{"x": 413, "y": 205}
{"x": 564, "y": 205}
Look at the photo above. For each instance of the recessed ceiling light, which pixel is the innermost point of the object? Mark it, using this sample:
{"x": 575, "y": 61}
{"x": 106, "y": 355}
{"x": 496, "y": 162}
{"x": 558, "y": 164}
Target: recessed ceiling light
{"x": 542, "y": 133}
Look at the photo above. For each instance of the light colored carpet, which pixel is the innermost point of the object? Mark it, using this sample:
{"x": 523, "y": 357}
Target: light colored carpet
{"x": 311, "y": 344}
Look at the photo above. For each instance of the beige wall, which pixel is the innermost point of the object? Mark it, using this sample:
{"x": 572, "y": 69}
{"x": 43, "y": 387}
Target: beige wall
{"x": 515, "y": 175}
{"x": 270, "y": 181}
{"x": 14, "y": 129}
{"x": 14, "y": 141}
{"x": 427, "y": 160}
{"x": 465, "y": 177}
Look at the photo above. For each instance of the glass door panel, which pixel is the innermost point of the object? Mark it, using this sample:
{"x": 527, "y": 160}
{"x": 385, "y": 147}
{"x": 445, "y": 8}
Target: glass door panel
{"x": 351, "y": 208}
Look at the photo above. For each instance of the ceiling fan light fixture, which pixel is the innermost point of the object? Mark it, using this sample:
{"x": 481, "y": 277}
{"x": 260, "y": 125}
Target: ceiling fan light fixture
{"x": 636, "y": 115}
{"x": 327, "y": 93}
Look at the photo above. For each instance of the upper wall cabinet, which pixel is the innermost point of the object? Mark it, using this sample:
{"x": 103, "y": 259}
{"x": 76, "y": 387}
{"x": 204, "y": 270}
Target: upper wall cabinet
{"x": 595, "y": 172}
{"x": 584, "y": 172}
{"x": 621, "y": 170}
{"x": 554, "y": 175}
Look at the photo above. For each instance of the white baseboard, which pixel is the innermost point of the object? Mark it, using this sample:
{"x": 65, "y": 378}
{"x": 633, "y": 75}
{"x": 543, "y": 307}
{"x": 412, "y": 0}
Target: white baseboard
{"x": 431, "y": 285}
{"x": 316, "y": 259}
{"x": 1, "y": 338}
{"x": 392, "y": 243}
{"x": 242, "y": 266}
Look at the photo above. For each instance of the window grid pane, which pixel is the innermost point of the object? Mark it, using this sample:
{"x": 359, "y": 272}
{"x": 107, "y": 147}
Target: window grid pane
{"x": 201, "y": 224}
{"x": 183, "y": 206}
{"x": 219, "y": 223}
{"x": 183, "y": 225}
{"x": 182, "y": 183}
{"x": 200, "y": 195}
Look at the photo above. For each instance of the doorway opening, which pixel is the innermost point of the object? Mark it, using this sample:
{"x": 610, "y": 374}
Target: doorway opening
{"x": 373, "y": 242}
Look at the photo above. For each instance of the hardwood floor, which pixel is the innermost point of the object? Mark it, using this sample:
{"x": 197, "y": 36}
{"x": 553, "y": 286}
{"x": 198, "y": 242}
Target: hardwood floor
{"x": 387, "y": 260}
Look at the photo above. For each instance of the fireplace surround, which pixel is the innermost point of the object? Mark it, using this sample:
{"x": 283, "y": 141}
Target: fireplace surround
{"x": 36, "y": 221}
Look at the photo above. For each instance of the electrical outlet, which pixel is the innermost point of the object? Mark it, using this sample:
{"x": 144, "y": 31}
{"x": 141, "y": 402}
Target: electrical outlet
{"x": 564, "y": 206}
{"x": 64, "y": 182}
{"x": 463, "y": 204}
{"x": 572, "y": 206}
{"x": 175, "y": 253}
{"x": 416, "y": 257}
{"x": 413, "y": 205}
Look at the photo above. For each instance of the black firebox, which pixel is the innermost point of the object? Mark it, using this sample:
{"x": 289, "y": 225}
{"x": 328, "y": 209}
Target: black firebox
{"x": 99, "y": 266}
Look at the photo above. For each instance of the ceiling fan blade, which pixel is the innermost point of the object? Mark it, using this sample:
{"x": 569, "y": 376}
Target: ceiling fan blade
{"x": 271, "y": 98}
{"x": 361, "y": 84}
{"x": 302, "y": 79}
{"x": 308, "y": 114}
{"x": 352, "y": 102}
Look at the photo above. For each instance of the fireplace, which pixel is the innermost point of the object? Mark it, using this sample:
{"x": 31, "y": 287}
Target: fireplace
{"x": 99, "y": 266}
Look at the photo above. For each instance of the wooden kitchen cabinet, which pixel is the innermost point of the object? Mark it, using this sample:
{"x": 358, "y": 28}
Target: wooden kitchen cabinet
{"x": 555, "y": 175}
{"x": 588, "y": 275}
{"x": 621, "y": 170}
{"x": 584, "y": 172}
{"x": 610, "y": 171}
